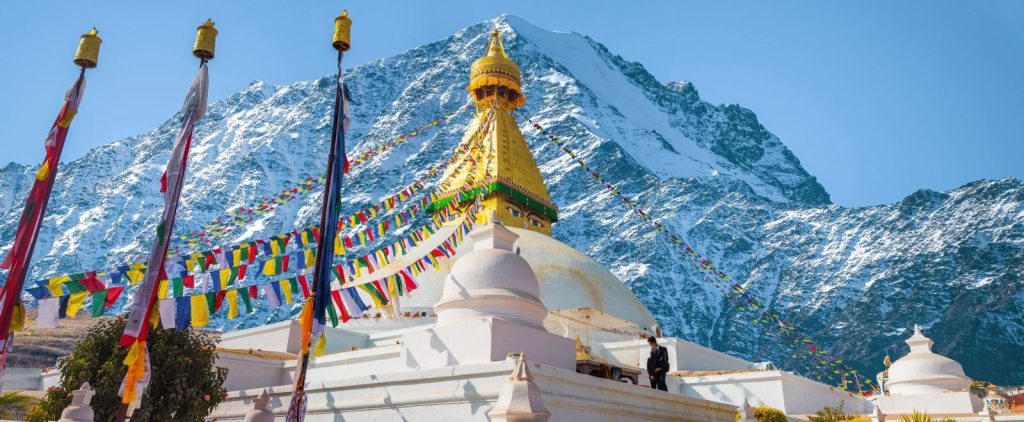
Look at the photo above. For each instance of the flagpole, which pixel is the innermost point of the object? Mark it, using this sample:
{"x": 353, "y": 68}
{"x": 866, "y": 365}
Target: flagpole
{"x": 141, "y": 313}
{"x": 19, "y": 257}
{"x": 313, "y": 312}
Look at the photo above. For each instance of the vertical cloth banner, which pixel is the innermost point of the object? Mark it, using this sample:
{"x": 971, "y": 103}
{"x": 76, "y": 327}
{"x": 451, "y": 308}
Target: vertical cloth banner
{"x": 170, "y": 184}
{"x": 337, "y": 166}
{"x": 20, "y": 254}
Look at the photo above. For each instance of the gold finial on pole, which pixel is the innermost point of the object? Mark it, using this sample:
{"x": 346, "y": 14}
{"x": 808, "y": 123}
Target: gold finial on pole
{"x": 206, "y": 41}
{"x": 88, "y": 49}
{"x": 342, "y": 32}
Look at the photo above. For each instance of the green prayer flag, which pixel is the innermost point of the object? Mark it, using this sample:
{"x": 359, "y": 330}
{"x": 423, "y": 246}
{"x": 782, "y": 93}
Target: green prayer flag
{"x": 99, "y": 301}
{"x": 179, "y": 286}
{"x": 333, "y": 314}
{"x": 74, "y": 286}
{"x": 244, "y": 294}
{"x": 211, "y": 302}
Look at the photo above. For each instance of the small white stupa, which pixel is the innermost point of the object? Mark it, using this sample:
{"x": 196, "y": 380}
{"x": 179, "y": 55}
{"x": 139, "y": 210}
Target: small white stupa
{"x": 925, "y": 380}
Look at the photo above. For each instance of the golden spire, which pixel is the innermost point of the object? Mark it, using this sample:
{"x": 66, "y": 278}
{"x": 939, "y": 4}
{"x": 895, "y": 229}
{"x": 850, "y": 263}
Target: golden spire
{"x": 495, "y": 48}
{"x": 500, "y": 166}
{"x": 88, "y": 53}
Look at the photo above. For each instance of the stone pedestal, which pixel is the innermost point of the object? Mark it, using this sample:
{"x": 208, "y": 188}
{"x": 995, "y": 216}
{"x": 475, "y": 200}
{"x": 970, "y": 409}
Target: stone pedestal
{"x": 747, "y": 412}
{"x": 260, "y": 409}
{"x": 520, "y": 399}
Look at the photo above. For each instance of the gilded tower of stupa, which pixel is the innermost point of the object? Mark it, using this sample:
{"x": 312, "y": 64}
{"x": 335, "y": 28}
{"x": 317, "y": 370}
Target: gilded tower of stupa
{"x": 499, "y": 167}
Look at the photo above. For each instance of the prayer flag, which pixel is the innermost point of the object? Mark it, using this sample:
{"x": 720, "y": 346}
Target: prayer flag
{"x": 99, "y": 300}
{"x": 48, "y": 313}
{"x": 76, "y": 302}
{"x": 182, "y": 313}
{"x": 232, "y": 298}
{"x": 168, "y": 313}
{"x": 200, "y": 311}
{"x": 171, "y": 183}
{"x": 19, "y": 256}
{"x": 273, "y": 292}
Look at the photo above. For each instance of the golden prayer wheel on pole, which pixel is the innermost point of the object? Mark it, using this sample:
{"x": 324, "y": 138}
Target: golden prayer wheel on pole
{"x": 206, "y": 41}
{"x": 88, "y": 53}
{"x": 342, "y": 32}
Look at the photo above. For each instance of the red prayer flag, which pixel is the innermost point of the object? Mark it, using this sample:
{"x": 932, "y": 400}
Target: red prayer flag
{"x": 112, "y": 294}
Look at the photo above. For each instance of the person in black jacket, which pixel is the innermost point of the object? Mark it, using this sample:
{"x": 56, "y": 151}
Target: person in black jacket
{"x": 657, "y": 364}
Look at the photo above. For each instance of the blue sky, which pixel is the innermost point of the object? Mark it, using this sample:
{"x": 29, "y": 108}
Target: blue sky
{"x": 876, "y": 98}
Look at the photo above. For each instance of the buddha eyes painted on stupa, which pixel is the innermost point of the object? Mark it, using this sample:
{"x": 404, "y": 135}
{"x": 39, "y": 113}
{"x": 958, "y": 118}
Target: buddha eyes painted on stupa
{"x": 526, "y": 216}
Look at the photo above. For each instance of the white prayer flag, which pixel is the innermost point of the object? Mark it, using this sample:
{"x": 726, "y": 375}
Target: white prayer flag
{"x": 48, "y": 309}
{"x": 168, "y": 313}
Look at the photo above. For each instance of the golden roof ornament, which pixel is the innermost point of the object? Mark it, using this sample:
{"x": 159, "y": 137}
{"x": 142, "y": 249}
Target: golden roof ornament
{"x": 206, "y": 41}
{"x": 496, "y": 70}
{"x": 88, "y": 53}
{"x": 342, "y": 32}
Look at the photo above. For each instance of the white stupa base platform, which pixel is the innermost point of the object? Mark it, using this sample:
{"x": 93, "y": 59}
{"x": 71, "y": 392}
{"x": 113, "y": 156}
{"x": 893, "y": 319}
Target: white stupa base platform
{"x": 485, "y": 340}
{"x": 949, "y": 403}
{"x": 467, "y": 393}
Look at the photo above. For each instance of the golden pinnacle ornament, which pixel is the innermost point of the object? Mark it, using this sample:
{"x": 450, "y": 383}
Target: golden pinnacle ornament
{"x": 206, "y": 41}
{"x": 88, "y": 49}
{"x": 342, "y": 32}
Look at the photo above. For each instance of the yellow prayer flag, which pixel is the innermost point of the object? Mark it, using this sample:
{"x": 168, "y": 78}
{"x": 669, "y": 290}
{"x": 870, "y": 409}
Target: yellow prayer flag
{"x": 200, "y": 312}
{"x": 154, "y": 317}
{"x": 310, "y": 258}
{"x": 161, "y": 292}
{"x": 75, "y": 303}
{"x": 225, "y": 276}
{"x": 286, "y": 290}
{"x": 232, "y": 297}
{"x": 55, "y": 285}
{"x": 135, "y": 276}
{"x": 44, "y": 171}
{"x": 18, "y": 316}
{"x": 321, "y": 344}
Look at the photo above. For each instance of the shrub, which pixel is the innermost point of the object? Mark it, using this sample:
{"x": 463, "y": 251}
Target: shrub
{"x": 831, "y": 414}
{"x": 184, "y": 385}
{"x": 769, "y": 414}
{"x": 14, "y": 405}
{"x": 916, "y": 417}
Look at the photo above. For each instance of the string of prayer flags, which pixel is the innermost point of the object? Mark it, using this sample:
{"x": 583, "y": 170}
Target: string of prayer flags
{"x": 735, "y": 294}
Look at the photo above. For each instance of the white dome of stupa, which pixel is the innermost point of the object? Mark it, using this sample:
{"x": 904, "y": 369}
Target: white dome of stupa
{"x": 923, "y": 372}
{"x": 491, "y": 281}
{"x": 568, "y": 278}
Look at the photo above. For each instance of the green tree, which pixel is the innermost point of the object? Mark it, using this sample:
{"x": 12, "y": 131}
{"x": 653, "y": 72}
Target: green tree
{"x": 184, "y": 385}
{"x": 14, "y": 405}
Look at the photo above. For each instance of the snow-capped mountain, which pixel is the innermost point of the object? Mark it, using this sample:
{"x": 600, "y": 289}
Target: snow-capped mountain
{"x": 854, "y": 279}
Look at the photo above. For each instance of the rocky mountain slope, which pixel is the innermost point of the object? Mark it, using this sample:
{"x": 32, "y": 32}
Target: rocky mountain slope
{"x": 855, "y": 279}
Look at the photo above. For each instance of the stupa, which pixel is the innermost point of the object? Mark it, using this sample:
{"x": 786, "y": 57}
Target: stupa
{"x": 926, "y": 380}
